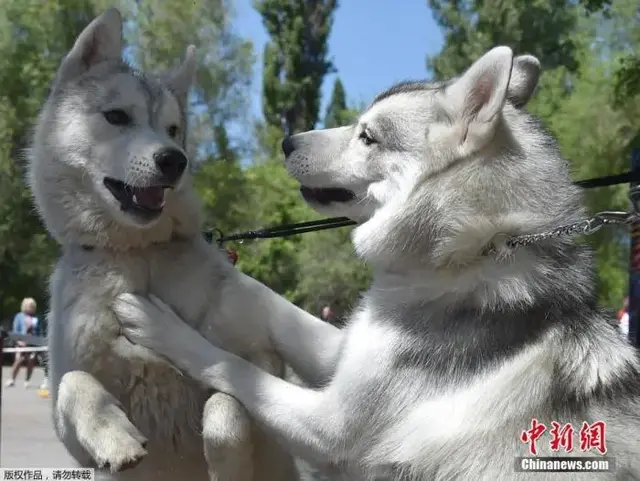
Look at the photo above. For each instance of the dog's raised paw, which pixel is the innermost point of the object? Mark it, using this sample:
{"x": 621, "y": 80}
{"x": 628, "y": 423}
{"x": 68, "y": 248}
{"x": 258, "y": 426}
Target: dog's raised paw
{"x": 121, "y": 452}
{"x": 128, "y": 465}
{"x": 118, "y": 444}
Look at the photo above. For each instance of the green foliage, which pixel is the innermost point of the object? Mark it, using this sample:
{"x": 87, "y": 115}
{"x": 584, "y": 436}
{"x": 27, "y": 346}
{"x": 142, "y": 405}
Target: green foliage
{"x": 330, "y": 273}
{"x": 577, "y": 95}
{"x": 543, "y": 28}
{"x": 295, "y": 60}
{"x": 596, "y": 5}
{"x": 35, "y": 35}
{"x": 590, "y": 107}
{"x": 275, "y": 201}
{"x": 627, "y": 84}
{"x": 338, "y": 112}
{"x": 337, "y": 106}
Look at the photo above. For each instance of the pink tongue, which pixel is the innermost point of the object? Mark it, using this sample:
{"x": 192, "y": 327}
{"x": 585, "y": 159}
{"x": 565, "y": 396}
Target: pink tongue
{"x": 149, "y": 197}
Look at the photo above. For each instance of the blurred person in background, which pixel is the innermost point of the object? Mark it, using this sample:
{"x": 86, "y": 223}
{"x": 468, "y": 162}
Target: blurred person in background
{"x": 25, "y": 322}
{"x": 623, "y": 318}
{"x": 42, "y": 357}
{"x": 327, "y": 314}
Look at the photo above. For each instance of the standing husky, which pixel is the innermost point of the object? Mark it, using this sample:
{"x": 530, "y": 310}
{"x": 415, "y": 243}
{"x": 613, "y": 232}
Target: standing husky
{"x": 111, "y": 180}
{"x": 461, "y": 342}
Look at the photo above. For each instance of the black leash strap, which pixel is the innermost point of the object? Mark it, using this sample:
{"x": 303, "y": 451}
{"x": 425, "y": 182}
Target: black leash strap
{"x": 335, "y": 222}
{"x": 626, "y": 178}
{"x": 283, "y": 230}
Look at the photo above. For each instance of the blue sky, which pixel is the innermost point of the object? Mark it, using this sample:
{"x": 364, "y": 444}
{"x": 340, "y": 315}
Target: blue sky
{"x": 373, "y": 44}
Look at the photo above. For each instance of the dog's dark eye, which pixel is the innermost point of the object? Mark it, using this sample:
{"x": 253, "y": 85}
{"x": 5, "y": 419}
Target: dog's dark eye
{"x": 172, "y": 131}
{"x": 117, "y": 117}
{"x": 367, "y": 138}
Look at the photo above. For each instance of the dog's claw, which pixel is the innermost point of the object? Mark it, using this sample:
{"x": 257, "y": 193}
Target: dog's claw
{"x": 127, "y": 465}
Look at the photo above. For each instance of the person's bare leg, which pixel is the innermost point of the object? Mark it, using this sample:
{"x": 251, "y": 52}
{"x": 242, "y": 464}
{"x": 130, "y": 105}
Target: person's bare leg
{"x": 30, "y": 362}
{"x": 15, "y": 368}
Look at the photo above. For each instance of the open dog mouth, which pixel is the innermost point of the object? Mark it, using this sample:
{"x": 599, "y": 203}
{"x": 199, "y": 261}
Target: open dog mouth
{"x": 145, "y": 200}
{"x": 326, "y": 195}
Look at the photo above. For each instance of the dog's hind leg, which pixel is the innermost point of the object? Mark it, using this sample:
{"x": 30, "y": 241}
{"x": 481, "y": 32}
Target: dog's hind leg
{"x": 226, "y": 434}
{"x": 271, "y": 462}
{"x": 87, "y": 416}
{"x": 229, "y": 437}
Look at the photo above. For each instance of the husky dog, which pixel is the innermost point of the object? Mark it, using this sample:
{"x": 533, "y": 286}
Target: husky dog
{"x": 461, "y": 342}
{"x": 111, "y": 180}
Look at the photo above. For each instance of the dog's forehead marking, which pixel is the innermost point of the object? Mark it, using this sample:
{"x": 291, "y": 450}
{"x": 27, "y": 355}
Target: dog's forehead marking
{"x": 135, "y": 89}
{"x": 395, "y": 110}
{"x": 171, "y": 107}
{"x": 154, "y": 94}
{"x": 409, "y": 87}
{"x": 402, "y": 100}
{"x": 123, "y": 88}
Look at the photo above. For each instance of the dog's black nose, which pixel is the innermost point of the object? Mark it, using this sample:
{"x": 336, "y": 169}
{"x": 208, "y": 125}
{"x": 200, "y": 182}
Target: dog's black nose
{"x": 171, "y": 163}
{"x": 288, "y": 145}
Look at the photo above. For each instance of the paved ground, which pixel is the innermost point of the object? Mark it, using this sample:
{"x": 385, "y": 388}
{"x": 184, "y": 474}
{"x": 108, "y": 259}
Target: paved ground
{"x": 28, "y": 439}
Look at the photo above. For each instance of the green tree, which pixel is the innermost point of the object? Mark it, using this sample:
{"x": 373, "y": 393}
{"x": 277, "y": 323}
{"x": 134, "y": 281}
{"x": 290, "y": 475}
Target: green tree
{"x": 34, "y": 35}
{"x": 295, "y": 60}
{"x": 274, "y": 201}
{"x": 295, "y": 64}
{"x": 330, "y": 273}
{"x": 612, "y": 127}
{"x": 627, "y": 74}
{"x": 542, "y": 28}
{"x": 545, "y": 28}
{"x": 337, "y": 106}
{"x": 338, "y": 111}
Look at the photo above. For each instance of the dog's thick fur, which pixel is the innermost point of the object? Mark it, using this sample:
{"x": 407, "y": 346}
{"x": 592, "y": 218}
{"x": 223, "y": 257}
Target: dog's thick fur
{"x": 111, "y": 397}
{"x": 456, "y": 347}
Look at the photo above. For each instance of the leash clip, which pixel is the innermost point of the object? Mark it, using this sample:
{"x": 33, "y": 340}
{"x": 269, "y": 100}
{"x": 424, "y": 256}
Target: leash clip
{"x": 220, "y": 240}
{"x": 634, "y": 197}
{"x": 608, "y": 217}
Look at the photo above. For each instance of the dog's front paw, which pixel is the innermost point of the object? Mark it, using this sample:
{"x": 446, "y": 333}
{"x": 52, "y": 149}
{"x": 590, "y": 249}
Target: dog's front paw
{"x": 115, "y": 443}
{"x": 146, "y": 322}
{"x": 152, "y": 324}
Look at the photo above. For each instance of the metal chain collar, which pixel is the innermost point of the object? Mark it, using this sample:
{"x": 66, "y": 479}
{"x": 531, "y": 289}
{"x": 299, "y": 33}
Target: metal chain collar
{"x": 583, "y": 227}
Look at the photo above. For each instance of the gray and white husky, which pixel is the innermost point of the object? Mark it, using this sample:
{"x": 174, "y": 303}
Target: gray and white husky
{"x": 112, "y": 182}
{"x": 461, "y": 343}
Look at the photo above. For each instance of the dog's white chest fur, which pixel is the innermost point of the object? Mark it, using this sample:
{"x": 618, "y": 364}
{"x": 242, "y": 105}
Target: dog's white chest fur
{"x": 166, "y": 406}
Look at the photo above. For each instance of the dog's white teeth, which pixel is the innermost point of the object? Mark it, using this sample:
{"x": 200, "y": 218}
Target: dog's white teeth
{"x": 135, "y": 199}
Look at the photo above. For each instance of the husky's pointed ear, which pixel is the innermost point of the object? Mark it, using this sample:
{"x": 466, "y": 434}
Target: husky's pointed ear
{"x": 479, "y": 95}
{"x": 524, "y": 80}
{"x": 181, "y": 79}
{"x": 100, "y": 41}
